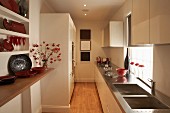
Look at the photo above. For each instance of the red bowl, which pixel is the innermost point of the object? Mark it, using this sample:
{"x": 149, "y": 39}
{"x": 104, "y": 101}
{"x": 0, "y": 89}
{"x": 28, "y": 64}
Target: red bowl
{"x": 38, "y": 69}
{"x": 121, "y": 71}
{"x": 26, "y": 73}
{"x": 7, "y": 79}
{"x": 121, "y": 80}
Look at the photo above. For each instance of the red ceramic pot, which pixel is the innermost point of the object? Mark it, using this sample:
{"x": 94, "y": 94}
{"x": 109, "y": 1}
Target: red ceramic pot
{"x": 38, "y": 69}
{"x": 121, "y": 71}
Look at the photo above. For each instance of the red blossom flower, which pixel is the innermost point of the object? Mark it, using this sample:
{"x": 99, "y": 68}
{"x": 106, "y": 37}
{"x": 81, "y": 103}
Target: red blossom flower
{"x": 132, "y": 63}
{"x": 136, "y": 64}
{"x": 141, "y": 66}
{"x": 44, "y": 52}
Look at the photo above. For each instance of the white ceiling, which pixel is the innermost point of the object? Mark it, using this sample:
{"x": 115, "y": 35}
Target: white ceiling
{"x": 97, "y": 9}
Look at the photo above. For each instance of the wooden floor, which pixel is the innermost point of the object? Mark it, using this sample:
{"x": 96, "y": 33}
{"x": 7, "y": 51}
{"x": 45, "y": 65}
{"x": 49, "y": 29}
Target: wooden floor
{"x": 85, "y": 99}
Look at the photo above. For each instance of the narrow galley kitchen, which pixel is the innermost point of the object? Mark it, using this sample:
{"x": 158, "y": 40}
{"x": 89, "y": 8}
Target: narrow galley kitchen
{"x": 84, "y": 56}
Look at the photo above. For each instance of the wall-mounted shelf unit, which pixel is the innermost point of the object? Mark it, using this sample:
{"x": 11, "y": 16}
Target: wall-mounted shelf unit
{"x": 10, "y": 14}
{"x": 6, "y": 32}
{"x": 15, "y": 52}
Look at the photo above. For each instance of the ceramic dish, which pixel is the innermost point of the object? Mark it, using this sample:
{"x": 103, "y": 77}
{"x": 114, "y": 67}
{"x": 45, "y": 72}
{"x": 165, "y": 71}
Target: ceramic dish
{"x": 7, "y": 79}
{"x": 38, "y": 69}
{"x": 26, "y": 73}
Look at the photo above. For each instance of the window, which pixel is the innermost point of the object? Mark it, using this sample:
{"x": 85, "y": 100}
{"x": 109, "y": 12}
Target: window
{"x": 143, "y": 56}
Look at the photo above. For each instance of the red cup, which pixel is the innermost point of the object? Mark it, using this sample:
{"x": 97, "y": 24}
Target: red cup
{"x": 121, "y": 71}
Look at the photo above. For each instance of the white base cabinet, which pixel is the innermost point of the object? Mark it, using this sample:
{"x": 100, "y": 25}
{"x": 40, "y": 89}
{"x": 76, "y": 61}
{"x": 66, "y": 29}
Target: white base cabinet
{"x": 108, "y": 101}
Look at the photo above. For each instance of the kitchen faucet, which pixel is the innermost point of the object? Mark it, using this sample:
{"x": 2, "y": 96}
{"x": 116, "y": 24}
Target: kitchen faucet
{"x": 152, "y": 87}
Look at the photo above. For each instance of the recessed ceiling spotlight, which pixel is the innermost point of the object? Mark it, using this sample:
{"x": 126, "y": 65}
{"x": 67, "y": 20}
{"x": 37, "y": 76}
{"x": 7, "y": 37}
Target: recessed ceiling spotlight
{"x": 85, "y": 14}
{"x": 85, "y": 5}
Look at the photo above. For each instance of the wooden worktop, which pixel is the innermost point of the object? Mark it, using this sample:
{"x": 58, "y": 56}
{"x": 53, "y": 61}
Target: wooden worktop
{"x": 8, "y": 92}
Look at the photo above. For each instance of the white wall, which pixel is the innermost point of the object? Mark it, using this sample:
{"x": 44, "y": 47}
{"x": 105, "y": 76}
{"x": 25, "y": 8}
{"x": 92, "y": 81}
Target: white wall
{"x": 161, "y": 73}
{"x": 85, "y": 70}
{"x": 117, "y": 54}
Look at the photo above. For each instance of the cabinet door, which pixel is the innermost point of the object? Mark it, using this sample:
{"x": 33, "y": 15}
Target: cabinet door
{"x": 159, "y": 21}
{"x": 116, "y": 34}
{"x": 112, "y": 105}
{"x": 106, "y": 36}
{"x": 140, "y": 22}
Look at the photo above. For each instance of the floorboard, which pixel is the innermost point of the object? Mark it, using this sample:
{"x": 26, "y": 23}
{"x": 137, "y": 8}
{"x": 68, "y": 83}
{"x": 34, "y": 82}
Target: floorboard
{"x": 85, "y": 99}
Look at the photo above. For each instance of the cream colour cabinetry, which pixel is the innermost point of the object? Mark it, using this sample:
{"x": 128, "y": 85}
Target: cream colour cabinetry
{"x": 57, "y": 88}
{"x": 108, "y": 101}
{"x": 150, "y": 22}
{"x": 159, "y": 21}
{"x": 113, "y": 34}
{"x": 140, "y": 22}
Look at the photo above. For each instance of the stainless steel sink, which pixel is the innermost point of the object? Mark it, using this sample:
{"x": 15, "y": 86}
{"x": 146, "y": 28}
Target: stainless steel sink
{"x": 145, "y": 103}
{"x": 130, "y": 89}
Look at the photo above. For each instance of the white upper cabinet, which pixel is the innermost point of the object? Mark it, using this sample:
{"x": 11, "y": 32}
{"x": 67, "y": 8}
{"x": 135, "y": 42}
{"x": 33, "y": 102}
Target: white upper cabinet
{"x": 113, "y": 34}
{"x": 150, "y": 22}
{"x": 140, "y": 22}
{"x": 159, "y": 21}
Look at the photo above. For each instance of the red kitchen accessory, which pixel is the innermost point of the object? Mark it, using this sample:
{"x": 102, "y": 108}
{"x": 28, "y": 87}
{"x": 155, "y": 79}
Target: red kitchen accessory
{"x": 38, "y": 69}
{"x": 121, "y": 79}
{"x": 6, "y": 4}
{"x": 6, "y": 24}
{"x": 18, "y": 27}
{"x": 14, "y": 6}
{"x": 10, "y": 4}
{"x": 7, "y": 45}
{"x": 14, "y": 26}
{"x": 26, "y": 73}
{"x": 7, "y": 79}
{"x": 121, "y": 71}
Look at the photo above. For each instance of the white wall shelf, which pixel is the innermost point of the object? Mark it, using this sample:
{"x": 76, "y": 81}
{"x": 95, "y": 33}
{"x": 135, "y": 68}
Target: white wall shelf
{"x": 15, "y": 52}
{"x": 6, "y": 32}
{"x": 10, "y": 14}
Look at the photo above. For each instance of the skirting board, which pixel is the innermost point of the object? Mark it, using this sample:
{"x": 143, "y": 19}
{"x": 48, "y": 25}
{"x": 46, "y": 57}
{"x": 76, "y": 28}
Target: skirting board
{"x": 39, "y": 110}
{"x": 84, "y": 79}
{"x": 55, "y": 109}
